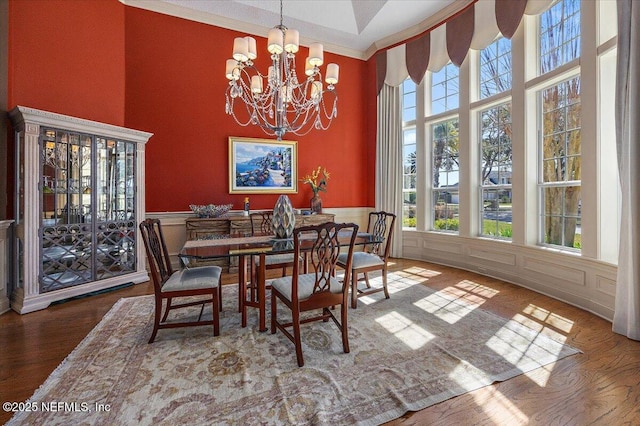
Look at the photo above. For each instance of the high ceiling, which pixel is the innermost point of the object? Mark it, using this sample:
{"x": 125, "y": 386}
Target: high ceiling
{"x": 355, "y": 28}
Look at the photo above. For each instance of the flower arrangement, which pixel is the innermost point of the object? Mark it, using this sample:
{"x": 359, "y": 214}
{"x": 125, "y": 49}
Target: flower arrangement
{"x": 317, "y": 180}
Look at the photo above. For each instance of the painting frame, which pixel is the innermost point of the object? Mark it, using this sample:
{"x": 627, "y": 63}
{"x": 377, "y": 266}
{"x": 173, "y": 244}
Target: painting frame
{"x": 249, "y": 172}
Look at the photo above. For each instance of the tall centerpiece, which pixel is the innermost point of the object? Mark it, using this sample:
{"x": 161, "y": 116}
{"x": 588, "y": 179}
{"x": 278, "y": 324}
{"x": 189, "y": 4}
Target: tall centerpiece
{"x": 284, "y": 219}
{"x": 317, "y": 180}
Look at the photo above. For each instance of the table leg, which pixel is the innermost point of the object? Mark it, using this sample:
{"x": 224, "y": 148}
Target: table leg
{"x": 262, "y": 291}
{"x": 242, "y": 287}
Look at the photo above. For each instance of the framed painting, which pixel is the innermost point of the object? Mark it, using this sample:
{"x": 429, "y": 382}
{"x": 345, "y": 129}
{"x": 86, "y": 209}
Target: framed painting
{"x": 262, "y": 166}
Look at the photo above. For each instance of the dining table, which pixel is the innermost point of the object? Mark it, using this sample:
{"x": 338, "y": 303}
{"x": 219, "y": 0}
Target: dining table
{"x": 245, "y": 248}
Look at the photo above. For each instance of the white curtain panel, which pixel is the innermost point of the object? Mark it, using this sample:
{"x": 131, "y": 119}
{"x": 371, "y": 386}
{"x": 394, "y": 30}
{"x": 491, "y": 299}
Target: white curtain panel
{"x": 389, "y": 160}
{"x": 626, "y": 319}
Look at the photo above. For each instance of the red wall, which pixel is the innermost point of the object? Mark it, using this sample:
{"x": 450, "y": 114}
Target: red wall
{"x": 175, "y": 88}
{"x": 122, "y": 65}
{"x": 68, "y": 57}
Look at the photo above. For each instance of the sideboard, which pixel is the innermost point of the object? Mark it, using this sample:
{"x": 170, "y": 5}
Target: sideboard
{"x": 198, "y": 228}
{"x": 201, "y": 228}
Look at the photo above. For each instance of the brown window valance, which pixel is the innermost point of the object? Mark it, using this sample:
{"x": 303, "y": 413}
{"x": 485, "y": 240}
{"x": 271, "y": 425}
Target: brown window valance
{"x": 475, "y": 27}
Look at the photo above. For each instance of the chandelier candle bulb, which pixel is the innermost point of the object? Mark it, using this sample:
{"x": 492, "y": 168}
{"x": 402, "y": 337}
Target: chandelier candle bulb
{"x": 291, "y": 38}
{"x": 316, "y": 90}
{"x": 332, "y": 73}
{"x": 316, "y": 57}
{"x": 240, "y": 49}
{"x": 274, "y": 44}
{"x": 231, "y": 72}
{"x": 252, "y": 51}
{"x": 308, "y": 68}
{"x": 256, "y": 84}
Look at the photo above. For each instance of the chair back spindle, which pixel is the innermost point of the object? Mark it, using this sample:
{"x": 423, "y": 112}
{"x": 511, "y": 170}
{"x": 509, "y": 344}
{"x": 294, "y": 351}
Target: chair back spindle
{"x": 261, "y": 222}
{"x": 381, "y": 226}
{"x": 157, "y": 253}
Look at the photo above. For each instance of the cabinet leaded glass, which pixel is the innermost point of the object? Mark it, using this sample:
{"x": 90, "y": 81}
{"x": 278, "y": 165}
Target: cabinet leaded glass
{"x": 80, "y": 194}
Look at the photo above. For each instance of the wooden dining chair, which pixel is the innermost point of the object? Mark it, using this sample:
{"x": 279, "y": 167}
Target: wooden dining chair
{"x": 372, "y": 258}
{"x": 169, "y": 284}
{"x": 318, "y": 289}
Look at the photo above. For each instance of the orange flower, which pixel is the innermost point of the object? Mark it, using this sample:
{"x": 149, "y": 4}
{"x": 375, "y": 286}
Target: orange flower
{"x": 317, "y": 180}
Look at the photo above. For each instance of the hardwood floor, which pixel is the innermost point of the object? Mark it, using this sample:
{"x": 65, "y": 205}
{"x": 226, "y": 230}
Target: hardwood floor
{"x": 599, "y": 386}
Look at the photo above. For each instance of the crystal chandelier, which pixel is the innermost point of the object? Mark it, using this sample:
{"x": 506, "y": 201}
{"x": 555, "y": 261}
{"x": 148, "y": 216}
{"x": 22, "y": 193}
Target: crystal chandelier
{"x": 279, "y": 102}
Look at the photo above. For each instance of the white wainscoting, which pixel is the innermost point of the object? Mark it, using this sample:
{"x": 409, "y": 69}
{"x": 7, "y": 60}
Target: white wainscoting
{"x": 586, "y": 283}
{"x": 569, "y": 277}
{"x": 175, "y": 235}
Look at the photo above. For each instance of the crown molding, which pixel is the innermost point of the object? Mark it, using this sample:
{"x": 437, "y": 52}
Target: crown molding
{"x": 261, "y": 31}
{"x": 230, "y": 24}
{"x": 431, "y": 22}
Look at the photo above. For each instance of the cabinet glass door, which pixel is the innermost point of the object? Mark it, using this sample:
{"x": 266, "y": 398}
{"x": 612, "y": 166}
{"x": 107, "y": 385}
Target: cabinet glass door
{"x": 66, "y": 235}
{"x": 115, "y": 207}
{"x": 88, "y": 219}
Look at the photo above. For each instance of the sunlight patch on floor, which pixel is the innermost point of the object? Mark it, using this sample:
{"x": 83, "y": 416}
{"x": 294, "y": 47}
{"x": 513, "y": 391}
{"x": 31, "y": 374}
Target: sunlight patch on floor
{"x": 477, "y": 289}
{"x": 396, "y": 283}
{"x": 421, "y": 272}
{"x": 554, "y": 320}
{"x": 540, "y": 328}
{"x": 405, "y": 330}
{"x": 540, "y": 376}
{"x": 467, "y": 377}
{"x": 454, "y": 303}
{"x": 494, "y": 404}
{"x": 519, "y": 350}
{"x": 445, "y": 307}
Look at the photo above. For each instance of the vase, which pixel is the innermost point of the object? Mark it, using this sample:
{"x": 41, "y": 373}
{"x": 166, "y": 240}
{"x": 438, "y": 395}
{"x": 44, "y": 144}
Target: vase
{"x": 316, "y": 204}
{"x": 284, "y": 219}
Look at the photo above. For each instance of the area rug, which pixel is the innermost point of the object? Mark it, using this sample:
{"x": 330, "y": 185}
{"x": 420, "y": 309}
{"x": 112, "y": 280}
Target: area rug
{"x": 418, "y": 348}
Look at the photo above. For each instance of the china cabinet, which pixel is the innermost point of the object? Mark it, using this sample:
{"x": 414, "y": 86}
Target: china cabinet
{"x": 5, "y": 247}
{"x": 79, "y": 197}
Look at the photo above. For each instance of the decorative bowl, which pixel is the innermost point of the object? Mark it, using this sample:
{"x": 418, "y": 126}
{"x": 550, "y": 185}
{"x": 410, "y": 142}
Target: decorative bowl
{"x": 210, "y": 210}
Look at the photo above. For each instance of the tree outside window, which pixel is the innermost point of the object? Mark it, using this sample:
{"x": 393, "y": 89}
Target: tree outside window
{"x": 409, "y": 154}
{"x": 560, "y": 122}
{"x": 446, "y": 175}
{"x": 495, "y": 68}
{"x": 559, "y": 35}
{"x": 496, "y": 171}
{"x": 561, "y": 163}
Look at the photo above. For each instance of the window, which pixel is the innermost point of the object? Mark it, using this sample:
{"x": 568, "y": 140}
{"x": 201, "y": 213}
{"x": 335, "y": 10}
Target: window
{"x": 409, "y": 154}
{"x": 445, "y": 89}
{"x": 516, "y": 128}
{"x": 560, "y": 123}
{"x": 561, "y": 164}
{"x": 559, "y": 35}
{"x": 495, "y": 68}
{"x": 446, "y": 175}
{"x": 409, "y": 179}
{"x": 408, "y": 101}
{"x": 495, "y": 169}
